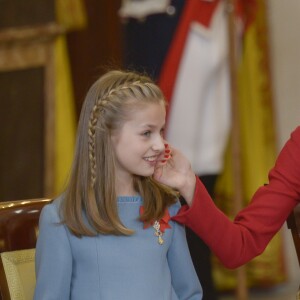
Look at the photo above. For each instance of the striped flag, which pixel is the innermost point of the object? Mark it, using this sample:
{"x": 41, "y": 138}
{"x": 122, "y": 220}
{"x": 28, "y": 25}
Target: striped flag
{"x": 257, "y": 141}
{"x": 195, "y": 81}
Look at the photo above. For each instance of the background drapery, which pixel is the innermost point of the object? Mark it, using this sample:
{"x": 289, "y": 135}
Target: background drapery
{"x": 258, "y": 149}
{"x": 200, "y": 84}
{"x": 71, "y": 15}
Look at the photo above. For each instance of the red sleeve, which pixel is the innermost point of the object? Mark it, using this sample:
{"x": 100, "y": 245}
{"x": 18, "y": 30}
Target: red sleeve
{"x": 237, "y": 242}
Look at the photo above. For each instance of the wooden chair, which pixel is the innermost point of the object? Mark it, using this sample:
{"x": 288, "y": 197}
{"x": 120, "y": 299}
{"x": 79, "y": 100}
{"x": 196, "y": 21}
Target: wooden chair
{"x": 293, "y": 223}
{"x": 18, "y": 235}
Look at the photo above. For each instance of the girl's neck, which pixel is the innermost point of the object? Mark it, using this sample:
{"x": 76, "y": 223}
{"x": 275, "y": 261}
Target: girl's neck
{"x": 124, "y": 192}
{"x": 125, "y": 188}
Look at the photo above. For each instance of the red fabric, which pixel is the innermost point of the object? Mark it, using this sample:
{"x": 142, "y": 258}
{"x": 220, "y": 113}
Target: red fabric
{"x": 194, "y": 10}
{"x": 201, "y": 12}
{"x": 164, "y": 221}
{"x": 237, "y": 242}
{"x": 246, "y": 11}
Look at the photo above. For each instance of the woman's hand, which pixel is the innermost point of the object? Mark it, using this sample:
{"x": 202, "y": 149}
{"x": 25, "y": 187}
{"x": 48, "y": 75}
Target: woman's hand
{"x": 174, "y": 169}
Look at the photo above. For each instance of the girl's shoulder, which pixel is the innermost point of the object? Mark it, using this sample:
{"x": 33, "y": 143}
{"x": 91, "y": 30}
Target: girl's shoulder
{"x": 174, "y": 208}
{"x": 52, "y": 210}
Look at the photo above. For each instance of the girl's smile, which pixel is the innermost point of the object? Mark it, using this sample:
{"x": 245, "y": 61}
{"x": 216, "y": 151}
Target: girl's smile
{"x": 151, "y": 158}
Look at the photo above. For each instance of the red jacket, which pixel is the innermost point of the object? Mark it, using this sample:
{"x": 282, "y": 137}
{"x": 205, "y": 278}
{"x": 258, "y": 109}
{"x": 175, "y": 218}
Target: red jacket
{"x": 237, "y": 242}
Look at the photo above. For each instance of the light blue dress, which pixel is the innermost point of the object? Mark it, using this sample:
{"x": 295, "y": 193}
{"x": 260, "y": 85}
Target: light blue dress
{"x": 107, "y": 267}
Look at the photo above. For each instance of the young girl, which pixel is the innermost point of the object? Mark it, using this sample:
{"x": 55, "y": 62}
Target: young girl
{"x": 109, "y": 236}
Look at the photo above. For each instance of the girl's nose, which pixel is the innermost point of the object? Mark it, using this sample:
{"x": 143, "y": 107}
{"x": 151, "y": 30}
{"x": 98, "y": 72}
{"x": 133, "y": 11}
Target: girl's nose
{"x": 159, "y": 144}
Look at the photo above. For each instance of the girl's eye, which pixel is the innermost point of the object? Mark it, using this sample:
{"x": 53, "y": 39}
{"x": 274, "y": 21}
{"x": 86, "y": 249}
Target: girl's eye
{"x": 162, "y": 131}
{"x": 147, "y": 133}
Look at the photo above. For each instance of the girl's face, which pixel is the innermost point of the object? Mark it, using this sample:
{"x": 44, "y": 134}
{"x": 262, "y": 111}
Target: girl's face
{"x": 139, "y": 142}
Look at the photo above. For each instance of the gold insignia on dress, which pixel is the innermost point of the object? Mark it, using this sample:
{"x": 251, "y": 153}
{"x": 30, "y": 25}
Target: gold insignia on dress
{"x": 158, "y": 232}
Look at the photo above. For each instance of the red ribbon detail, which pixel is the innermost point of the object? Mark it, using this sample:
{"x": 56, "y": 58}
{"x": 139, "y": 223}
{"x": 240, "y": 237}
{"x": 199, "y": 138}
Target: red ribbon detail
{"x": 164, "y": 221}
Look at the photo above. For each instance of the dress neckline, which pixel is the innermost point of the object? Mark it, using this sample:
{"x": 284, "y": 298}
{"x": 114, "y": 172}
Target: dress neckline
{"x": 129, "y": 199}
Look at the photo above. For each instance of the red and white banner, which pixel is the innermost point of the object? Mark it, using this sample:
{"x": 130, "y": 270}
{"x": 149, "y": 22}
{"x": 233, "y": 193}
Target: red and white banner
{"x": 195, "y": 81}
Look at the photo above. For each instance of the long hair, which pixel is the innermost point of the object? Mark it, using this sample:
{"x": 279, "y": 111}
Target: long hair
{"x": 89, "y": 206}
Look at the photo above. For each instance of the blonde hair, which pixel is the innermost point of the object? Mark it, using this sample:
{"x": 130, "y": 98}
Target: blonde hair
{"x": 89, "y": 206}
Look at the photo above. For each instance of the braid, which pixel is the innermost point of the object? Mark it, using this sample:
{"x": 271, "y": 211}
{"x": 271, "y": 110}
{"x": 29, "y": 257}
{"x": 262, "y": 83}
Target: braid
{"x": 97, "y": 109}
{"x": 91, "y": 142}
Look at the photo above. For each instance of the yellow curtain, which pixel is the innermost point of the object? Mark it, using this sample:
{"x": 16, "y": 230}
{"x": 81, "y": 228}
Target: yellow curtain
{"x": 258, "y": 151}
{"x": 71, "y": 15}
{"x": 65, "y": 118}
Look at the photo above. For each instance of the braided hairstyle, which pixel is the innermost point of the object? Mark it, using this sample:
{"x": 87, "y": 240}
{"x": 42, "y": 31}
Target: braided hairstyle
{"x": 89, "y": 206}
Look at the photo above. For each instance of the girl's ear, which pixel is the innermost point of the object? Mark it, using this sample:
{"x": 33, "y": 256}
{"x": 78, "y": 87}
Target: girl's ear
{"x": 114, "y": 138}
